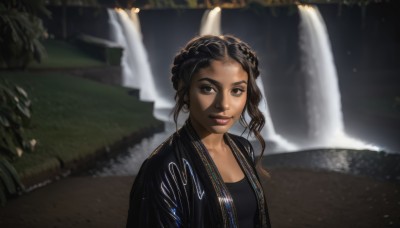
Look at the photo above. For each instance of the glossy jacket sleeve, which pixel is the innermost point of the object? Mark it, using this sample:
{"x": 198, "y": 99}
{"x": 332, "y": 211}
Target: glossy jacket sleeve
{"x": 153, "y": 201}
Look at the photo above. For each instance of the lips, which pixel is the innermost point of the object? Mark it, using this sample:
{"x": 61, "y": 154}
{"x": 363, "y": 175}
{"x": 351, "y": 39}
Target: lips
{"x": 221, "y": 120}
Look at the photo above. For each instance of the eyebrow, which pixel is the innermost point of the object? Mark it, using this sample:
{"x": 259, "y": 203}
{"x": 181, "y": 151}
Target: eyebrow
{"x": 219, "y": 84}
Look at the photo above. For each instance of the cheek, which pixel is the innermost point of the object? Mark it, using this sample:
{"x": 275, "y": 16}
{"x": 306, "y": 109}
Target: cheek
{"x": 200, "y": 102}
{"x": 241, "y": 104}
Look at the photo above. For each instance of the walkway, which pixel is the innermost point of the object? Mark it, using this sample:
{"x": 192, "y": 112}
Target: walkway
{"x": 297, "y": 198}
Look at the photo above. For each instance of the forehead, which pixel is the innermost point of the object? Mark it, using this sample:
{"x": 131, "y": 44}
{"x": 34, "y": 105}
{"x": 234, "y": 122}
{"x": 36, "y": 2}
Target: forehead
{"x": 223, "y": 70}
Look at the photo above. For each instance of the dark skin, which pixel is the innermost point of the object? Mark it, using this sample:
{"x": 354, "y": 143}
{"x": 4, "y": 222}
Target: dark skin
{"x": 218, "y": 97}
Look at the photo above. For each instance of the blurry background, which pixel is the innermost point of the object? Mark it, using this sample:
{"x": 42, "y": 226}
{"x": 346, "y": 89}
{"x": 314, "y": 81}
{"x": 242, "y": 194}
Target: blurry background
{"x": 93, "y": 98}
{"x": 364, "y": 36}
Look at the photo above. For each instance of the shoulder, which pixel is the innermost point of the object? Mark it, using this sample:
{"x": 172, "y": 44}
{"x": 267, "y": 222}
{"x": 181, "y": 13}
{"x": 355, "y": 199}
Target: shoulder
{"x": 242, "y": 141}
{"x": 167, "y": 159}
{"x": 154, "y": 191}
{"x": 159, "y": 159}
{"x": 155, "y": 170}
{"x": 244, "y": 144}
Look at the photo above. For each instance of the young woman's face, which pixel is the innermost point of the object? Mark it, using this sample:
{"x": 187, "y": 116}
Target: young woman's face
{"x": 217, "y": 97}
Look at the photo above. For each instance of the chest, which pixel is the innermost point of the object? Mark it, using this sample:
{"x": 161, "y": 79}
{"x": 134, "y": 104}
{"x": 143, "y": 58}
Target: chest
{"x": 227, "y": 166}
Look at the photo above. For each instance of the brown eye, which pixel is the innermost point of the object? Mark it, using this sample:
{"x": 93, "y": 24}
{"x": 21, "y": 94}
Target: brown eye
{"x": 237, "y": 92}
{"x": 206, "y": 89}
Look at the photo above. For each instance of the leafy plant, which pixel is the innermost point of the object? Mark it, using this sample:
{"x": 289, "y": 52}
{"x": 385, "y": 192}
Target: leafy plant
{"x": 20, "y": 32}
{"x": 10, "y": 183}
{"x": 15, "y": 115}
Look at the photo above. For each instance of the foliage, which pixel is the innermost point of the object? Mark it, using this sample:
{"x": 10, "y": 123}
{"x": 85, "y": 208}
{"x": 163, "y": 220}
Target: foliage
{"x": 20, "y": 32}
{"x": 10, "y": 184}
{"x": 245, "y": 3}
{"x": 192, "y": 3}
{"x": 15, "y": 115}
{"x": 163, "y": 3}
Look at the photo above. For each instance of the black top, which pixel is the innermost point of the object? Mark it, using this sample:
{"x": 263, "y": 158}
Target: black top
{"x": 177, "y": 186}
{"x": 245, "y": 202}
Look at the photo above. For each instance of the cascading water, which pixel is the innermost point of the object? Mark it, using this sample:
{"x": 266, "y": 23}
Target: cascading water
{"x": 136, "y": 56}
{"x": 129, "y": 165}
{"x": 136, "y": 67}
{"x": 211, "y": 25}
{"x": 125, "y": 30}
{"x": 211, "y": 22}
{"x": 323, "y": 96}
{"x": 129, "y": 78}
{"x": 268, "y": 132}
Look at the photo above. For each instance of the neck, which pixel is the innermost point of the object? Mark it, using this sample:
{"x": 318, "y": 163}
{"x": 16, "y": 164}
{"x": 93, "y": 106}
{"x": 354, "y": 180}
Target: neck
{"x": 213, "y": 142}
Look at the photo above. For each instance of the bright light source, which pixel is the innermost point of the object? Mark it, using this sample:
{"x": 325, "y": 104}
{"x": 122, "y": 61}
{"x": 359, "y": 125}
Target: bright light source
{"x": 135, "y": 10}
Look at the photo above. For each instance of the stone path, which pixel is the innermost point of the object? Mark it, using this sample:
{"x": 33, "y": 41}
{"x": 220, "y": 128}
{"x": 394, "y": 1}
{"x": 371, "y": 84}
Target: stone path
{"x": 297, "y": 198}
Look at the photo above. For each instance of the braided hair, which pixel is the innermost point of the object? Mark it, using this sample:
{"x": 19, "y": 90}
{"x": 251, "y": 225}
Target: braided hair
{"x": 198, "y": 54}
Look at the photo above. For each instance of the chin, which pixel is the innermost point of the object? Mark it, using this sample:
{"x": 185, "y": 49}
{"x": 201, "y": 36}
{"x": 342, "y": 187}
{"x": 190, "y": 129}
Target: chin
{"x": 219, "y": 129}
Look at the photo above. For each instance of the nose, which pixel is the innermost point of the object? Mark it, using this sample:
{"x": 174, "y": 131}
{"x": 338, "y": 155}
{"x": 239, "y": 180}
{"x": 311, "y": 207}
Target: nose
{"x": 222, "y": 102}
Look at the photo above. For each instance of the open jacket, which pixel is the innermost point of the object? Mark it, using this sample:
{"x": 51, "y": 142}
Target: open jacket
{"x": 180, "y": 186}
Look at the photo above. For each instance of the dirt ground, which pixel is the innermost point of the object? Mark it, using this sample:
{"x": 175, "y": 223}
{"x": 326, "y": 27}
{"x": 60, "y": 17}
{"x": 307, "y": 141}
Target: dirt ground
{"x": 296, "y": 198}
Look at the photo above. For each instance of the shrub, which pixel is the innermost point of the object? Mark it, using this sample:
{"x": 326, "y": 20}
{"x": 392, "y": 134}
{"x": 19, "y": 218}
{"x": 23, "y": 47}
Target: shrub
{"x": 15, "y": 115}
{"x": 21, "y": 30}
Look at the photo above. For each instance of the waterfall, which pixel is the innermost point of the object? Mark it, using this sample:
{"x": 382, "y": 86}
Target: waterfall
{"x": 325, "y": 116}
{"x": 135, "y": 56}
{"x": 211, "y": 24}
{"x": 268, "y": 132}
{"x": 137, "y": 73}
{"x": 129, "y": 78}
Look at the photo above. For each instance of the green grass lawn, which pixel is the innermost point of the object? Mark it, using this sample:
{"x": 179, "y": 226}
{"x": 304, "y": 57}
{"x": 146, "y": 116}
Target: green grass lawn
{"x": 72, "y": 117}
{"x": 61, "y": 54}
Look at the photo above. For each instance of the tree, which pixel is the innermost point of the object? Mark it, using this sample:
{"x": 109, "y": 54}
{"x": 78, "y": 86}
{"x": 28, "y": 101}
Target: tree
{"x": 20, "y": 32}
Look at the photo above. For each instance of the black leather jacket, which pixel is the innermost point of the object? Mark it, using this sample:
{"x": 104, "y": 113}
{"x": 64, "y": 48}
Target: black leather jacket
{"x": 179, "y": 186}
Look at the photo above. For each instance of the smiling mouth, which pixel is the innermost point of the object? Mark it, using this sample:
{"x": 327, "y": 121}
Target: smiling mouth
{"x": 221, "y": 120}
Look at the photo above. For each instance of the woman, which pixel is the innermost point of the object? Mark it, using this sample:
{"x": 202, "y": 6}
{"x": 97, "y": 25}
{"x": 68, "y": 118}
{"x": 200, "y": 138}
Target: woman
{"x": 202, "y": 176}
